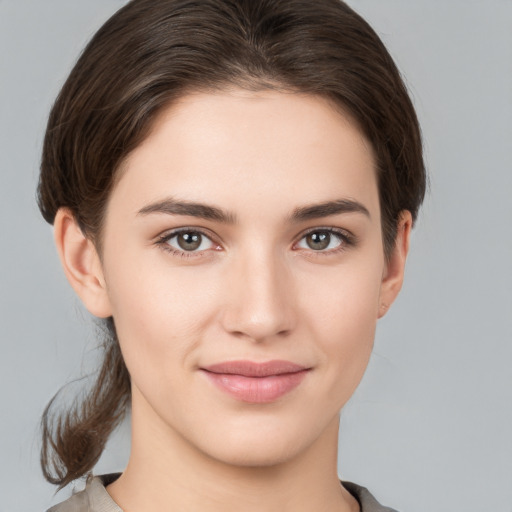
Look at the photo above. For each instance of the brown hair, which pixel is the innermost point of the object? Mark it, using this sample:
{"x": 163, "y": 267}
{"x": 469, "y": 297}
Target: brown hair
{"x": 150, "y": 53}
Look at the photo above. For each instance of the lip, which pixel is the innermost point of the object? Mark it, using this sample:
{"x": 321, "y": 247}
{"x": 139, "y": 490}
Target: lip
{"x": 253, "y": 382}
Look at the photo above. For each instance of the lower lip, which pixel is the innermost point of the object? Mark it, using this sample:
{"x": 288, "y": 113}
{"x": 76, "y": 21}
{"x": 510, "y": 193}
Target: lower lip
{"x": 258, "y": 390}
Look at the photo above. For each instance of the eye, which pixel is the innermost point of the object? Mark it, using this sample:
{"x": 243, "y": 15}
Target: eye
{"x": 324, "y": 240}
{"x": 186, "y": 241}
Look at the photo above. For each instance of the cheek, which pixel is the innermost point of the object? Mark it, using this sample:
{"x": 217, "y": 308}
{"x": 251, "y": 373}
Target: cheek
{"x": 343, "y": 301}
{"x": 159, "y": 314}
{"x": 342, "y": 317}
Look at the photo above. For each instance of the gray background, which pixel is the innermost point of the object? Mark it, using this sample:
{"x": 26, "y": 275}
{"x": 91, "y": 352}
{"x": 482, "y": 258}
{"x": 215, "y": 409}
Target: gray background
{"x": 430, "y": 427}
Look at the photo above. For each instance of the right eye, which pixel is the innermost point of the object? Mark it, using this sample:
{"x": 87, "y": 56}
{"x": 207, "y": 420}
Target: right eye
{"x": 186, "y": 242}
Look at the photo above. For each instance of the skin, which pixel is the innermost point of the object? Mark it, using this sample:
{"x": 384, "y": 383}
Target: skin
{"x": 255, "y": 289}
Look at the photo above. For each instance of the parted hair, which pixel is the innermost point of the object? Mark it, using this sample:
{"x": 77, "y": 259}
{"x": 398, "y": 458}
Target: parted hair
{"x": 149, "y": 54}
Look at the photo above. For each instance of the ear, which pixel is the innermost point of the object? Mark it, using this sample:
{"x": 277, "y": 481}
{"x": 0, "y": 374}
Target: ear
{"x": 394, "y": 268}
{"x": 81, "y": 264}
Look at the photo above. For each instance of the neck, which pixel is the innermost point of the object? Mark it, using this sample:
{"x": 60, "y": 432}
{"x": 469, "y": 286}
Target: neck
{"x": 165, "y": 472}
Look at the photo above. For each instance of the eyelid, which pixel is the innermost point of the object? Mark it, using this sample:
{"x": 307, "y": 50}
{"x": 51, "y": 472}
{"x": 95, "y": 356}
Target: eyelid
{"x": 163, "y": 239}
{"x": 348, "y": 239}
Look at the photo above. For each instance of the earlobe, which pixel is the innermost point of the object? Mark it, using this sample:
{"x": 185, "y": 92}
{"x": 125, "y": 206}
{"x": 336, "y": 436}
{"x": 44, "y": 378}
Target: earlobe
{"x": 393, "y": 276}
{"x": 81, "y": 264}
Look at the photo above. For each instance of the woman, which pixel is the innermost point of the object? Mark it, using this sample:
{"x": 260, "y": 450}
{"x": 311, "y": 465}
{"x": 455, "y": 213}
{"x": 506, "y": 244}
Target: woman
{"x": 232, "y": 185}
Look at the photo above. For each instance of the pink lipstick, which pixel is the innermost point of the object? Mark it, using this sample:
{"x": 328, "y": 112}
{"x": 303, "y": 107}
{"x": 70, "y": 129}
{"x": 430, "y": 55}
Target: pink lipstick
{"x": 256, "y": 382}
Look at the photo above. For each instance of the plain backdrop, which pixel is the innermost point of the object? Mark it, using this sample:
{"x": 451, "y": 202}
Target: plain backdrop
{"x": 430, "y": 427}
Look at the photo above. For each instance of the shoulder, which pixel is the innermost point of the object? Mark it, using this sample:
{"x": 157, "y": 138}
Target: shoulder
{"x": 77, "y": 503}
{"x": 94, "y": 498}
{"x": 366, "y": 500}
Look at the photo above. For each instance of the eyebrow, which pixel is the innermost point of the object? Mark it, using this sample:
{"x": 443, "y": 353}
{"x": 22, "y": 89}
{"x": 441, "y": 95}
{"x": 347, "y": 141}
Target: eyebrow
{"x": 171, "y": 206}
{"x": 317, "y": 211}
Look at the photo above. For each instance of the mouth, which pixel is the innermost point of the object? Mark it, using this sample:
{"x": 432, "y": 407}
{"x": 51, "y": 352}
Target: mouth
{"x": 253, "y": 382}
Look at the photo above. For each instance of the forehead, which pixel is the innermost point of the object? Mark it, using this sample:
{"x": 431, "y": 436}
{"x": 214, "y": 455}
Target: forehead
{"x": 245, "y": 148}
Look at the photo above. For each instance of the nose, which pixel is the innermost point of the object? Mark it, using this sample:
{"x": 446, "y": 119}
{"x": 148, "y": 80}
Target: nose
{"x": 259, "y": 298}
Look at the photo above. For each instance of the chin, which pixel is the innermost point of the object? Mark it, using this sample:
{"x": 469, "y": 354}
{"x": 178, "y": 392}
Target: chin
{"x": 253, "y": 456}
{"x": 258, "y": 447}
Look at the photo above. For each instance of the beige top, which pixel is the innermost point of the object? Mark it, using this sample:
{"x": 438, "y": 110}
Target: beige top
{"x": 95, "y": 498}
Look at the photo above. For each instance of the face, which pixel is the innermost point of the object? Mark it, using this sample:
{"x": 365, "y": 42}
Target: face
{"x": 244, "y": 268}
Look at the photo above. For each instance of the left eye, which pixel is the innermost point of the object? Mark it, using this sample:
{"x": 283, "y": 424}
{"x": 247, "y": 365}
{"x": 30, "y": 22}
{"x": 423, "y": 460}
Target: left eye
{"x": 189, "y": 241}
{"x": 321, "y": 240}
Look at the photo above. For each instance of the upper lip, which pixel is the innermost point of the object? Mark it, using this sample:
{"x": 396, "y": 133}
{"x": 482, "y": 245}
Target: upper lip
{"x": 253, "y": 369}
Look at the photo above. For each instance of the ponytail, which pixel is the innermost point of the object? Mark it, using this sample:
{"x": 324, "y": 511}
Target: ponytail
{"x": 73, "y": 441}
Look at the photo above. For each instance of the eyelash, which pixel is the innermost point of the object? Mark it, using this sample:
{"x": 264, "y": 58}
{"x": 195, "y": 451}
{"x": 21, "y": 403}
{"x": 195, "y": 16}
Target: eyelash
{"x": 164, "y": 239}
{"x": 347, "y": 240}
